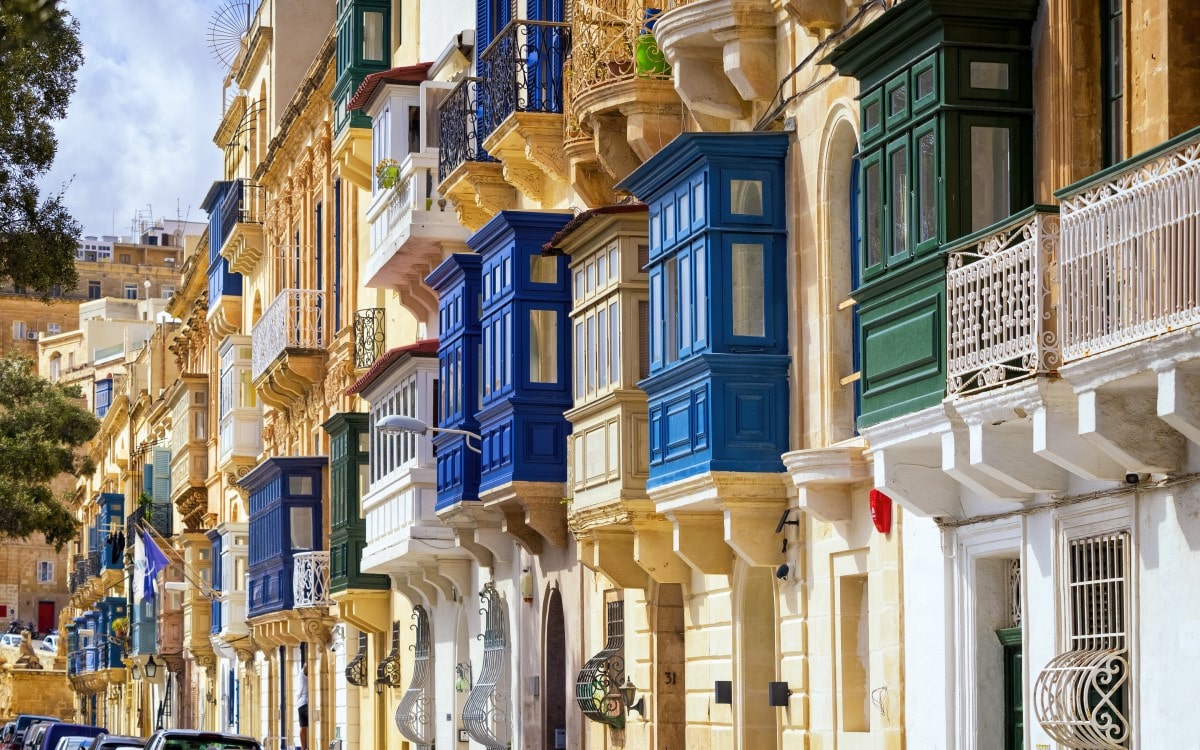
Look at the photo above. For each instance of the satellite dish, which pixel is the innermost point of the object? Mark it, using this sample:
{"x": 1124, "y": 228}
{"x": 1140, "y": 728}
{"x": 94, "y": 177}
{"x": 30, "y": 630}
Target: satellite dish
{"x": 226, "y": 28}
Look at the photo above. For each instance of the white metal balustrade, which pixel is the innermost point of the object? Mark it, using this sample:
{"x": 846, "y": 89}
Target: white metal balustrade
{"x": 1001, "y": 313}
{"x": 294, "y": 320}
{"x": 310, "y": 580}
{"x": 1130, "y": 247}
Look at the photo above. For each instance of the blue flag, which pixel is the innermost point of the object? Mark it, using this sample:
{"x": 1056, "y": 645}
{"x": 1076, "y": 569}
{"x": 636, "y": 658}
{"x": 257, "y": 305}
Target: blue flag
{"x": 156, "y": 561}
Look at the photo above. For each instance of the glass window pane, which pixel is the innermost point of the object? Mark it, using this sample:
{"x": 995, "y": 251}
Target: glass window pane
{"x": 701, "y": 293}
{"x": 300, "y": 521}
{"x": 926, "y": 187}
{"x": 602, "y": 339}
{"x": 685, "y": 302}
{"x": 580, "y": 359}
{"x": 543, "y": 346}
{"x": 543, "y": 269}
{"x": 898, "y": 199}
{"x": 873, "y": 213}
{"x": 614, "y": 357}
{"x": 749, "y": 303}
{"x": 871, "y": 116}
{"x": 989, "y": 75}
{"x": 591, "y": 354}
{"x": 746, "y": 197}
{"x": 671, "y": 314}
{"x": 372, "y": 41}
{"x": 897, "y": 100}
{"x": 989, "y": 176}
{"x": 300, "y": 485}
{"x": 924, "y": 83}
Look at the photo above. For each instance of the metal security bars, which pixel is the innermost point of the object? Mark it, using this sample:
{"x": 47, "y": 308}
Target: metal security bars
{"x": 387, "y": 674}
{"x": 485, "y": 712}
{"x": 1131, "y": 251}
{"x": 356, "y": 670}
{"x": 1081, "y": 697}
{"x": 414, "y": 716}
{"x": 1002, "y": 318}
{"x": 521, "y": 71}
{"x": 458, "y": 126}
{"x": 368, "y": 336}
{"x": 596, "y": 687}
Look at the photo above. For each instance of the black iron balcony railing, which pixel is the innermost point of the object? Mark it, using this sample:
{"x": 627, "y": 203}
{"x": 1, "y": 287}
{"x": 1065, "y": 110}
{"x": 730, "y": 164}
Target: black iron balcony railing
{"x": 95, "y": 563}
{"x": 240, "y": 205}
{"x": 522, "y": 71}
{"x": 156, "y": 515}
{"x": 458, "y": 137}
{"x": 368, "y": 336}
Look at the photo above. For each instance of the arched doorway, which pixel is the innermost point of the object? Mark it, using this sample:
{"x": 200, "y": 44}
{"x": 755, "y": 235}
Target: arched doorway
{"x": 757, "y": 659}
{"x": 554, "y": 677}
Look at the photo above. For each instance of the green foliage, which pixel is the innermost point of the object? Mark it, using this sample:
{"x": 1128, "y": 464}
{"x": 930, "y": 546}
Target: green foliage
{"x": 42, "y": 426}
{"x": 39, "y": 55}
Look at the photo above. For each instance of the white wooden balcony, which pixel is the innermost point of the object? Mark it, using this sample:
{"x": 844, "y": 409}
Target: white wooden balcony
{"x": 1131, "y": 250}
{"x": 239, "y": 436}
{"x": 310, "y": 580}
{"x": 288, "y": 345}
{"x": 412, "y": 229}
{"x": 1002, "y": 314}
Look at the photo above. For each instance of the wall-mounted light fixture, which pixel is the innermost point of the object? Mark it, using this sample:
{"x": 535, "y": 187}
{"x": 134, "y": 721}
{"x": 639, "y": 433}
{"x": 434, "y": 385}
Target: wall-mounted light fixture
{"x": 398, "y": 423}
{"x": 778, "y": 693}
{"x": 151, "y": 668}
{"x": 526, "y": 586}
{"x": 628, "y": 693}
{"x": 462, "y": 677}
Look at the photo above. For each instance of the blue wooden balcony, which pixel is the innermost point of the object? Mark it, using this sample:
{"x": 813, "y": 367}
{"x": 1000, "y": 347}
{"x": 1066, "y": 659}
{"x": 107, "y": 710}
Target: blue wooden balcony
{"x": 285, "y": 519}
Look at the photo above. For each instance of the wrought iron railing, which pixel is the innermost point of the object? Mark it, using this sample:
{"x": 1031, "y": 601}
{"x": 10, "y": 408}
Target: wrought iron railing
{"x": 294, "y": 320}
{"x": 1002, "y": 317}
{"x": 158, "y": 516}
{"x": 356, "y": 670}
{"x": 387, "y": 672}
{"x": 310, "y": 579}
{"x": 95, "y": 563}
{"x": 485, "y": 712}
{"x": 241, "y": 204}
{"x": 1131, "y": 249}
{"x": 368, "y": 336}
{"x": 458, "y": 125}
{"x": 613, "y": 40}
{"x": 521, "y": 71}
{"x": 414, "y": 716}
{"x": 596, "y": 686}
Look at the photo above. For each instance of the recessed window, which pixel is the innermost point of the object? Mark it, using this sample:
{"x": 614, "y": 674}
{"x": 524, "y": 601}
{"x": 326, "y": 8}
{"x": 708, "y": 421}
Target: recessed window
{"x": 93, "y": 290}
{"x": 990, "y": 167}
{"x": 871, "y": 116}
{"x": 543, "y": 346}
{"x": 131, "y": 291}
{"x": 372, "y": 41}
{"x": 897, "y": 100}
{"x": 989, "y": 75}
{"x": 923, "y": 83}
{"x": 749, "y": 297}
{"x": 746, "y": 197}
{"x": 45, "y": 571}
{"x": 926, "y": 187}
{"x": 543, "y": 269}
{"x": 873, "y": 213}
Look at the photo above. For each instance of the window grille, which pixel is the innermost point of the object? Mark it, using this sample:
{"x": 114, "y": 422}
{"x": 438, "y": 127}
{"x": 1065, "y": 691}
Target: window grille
{"x": 596, "y": 687}
{"x": 485, "y": 713}
{"x": 1081, "y": 697}
{"x": 1014, "y": 594}
{"x": 414, "y": 717}
{"x": 356, "y": 670}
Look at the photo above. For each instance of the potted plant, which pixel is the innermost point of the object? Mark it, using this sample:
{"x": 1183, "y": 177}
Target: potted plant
{"x": 387, "y": 173}
{"x": 120, "y": 628}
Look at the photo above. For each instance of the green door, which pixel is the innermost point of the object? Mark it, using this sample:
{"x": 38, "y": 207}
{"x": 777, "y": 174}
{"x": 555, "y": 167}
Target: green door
{"x": 1014, "y": 705}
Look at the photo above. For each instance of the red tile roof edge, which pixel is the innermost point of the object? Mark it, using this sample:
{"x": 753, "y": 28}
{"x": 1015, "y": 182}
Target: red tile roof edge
{"x": 411, "y": 74}
{"x": 583, "y": 217}
{"x": 422, "y": 348}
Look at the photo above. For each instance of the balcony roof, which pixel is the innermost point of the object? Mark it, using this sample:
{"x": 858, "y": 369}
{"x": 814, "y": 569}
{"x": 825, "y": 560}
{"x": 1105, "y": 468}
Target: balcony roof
{"x": 561, "y": 235}
{"x": 422, "y": 348}
{"x": 411, "y": 75}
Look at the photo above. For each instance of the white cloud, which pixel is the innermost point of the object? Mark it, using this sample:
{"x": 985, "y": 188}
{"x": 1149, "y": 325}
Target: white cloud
{"x": 138, "y": 135}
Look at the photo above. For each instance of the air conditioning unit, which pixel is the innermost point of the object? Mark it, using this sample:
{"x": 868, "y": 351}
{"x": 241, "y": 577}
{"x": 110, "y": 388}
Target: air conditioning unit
{"x": 32, "y": 335}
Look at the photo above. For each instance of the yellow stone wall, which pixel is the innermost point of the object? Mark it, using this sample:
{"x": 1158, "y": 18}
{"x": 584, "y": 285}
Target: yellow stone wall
{"x": 43, "y": 692}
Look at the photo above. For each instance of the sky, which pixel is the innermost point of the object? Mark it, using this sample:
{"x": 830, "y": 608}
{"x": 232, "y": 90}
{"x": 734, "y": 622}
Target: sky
{"x": 138, "y": 136}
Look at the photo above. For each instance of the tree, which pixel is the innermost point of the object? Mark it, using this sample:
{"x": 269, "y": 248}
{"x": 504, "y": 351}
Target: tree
{"x": 39, "y": 55}
{"x": 42, "y": 427}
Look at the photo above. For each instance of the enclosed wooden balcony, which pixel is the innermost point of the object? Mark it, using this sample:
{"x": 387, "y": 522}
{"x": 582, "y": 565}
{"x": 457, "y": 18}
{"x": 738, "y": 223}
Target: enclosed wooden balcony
{"x": 239, "y": 439}
{"x": 288, "y": 344}
{"x": 189, "y": 448}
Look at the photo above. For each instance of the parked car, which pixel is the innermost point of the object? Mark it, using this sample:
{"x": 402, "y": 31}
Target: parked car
{"x": 73, "y": 743}
{"x": 55, "y": 732}
{"x": 23, "y": 723}
{"x": 116, "y": 742}
{"x": 35, "y": 733}
{"x": 12, "y": 640}
{"x": 192, "y": 739}
{"x": 6, "y": 734}
{"x": 49, "y": 643}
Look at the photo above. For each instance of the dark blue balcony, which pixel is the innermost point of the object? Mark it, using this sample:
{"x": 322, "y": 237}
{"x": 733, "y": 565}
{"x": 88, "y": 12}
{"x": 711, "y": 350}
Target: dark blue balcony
{"x": 110, "y": 647}
{"x": 457, "y": 283}
{"x": 526, "y": 350}
{"x": 111, "y": 524}
{"x": 226, "y": 205}
{"x": 285, "y": 519}
{"x": 718, "y": 385}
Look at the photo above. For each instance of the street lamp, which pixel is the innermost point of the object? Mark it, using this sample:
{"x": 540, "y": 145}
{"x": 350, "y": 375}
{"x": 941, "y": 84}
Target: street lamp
{"x": 398, "y": 423}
